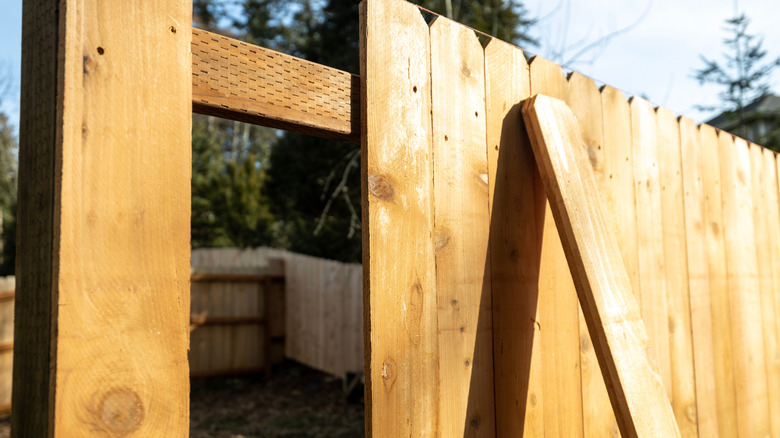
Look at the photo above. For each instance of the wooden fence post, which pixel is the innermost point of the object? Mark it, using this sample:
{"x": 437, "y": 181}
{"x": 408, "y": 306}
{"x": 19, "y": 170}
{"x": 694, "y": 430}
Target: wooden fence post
{"x": 102, "y": 306}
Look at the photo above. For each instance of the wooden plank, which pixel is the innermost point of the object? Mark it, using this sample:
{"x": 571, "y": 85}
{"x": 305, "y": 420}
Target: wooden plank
{"x": 584, "y": 100}
{"x": 652, "y": 284}
{"x": 744, "y": 293}
{"x": 676, "y": 272}
{"x": 558, "y": 308}
{"x": 239, "y": 81}
{"x": 516, "y": 204}
{"x": 227, "y": 320}
{"x": 462, "y": 226}
{"x": 108, "y": 170}
{"x": 248, "y": 278}
{"x": 718, "y": 278}
{"x": 610, "y": 308}
{"x": 698, "y": 279}
{"x": 35, "y": 309}
{"x": 760, "y": 187}
{"x": 400, "y": 307}
{"x": 617, "y": 165}
{"x": 772, "y": 211}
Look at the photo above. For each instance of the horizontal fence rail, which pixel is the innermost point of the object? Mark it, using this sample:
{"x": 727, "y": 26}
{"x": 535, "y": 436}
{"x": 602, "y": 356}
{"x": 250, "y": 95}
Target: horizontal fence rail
{"x": 239, "y": 81}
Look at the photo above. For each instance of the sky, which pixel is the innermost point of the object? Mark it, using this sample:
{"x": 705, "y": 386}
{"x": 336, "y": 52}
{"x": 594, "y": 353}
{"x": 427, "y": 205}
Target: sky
{"x": 655, "y": 59}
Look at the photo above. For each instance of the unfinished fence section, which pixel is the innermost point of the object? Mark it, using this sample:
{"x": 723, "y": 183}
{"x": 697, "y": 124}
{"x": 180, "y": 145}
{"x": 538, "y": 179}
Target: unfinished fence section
{"x": 321, "y": 303}
{"x": 472, "y": 321}
{"x": 238, "y": 320}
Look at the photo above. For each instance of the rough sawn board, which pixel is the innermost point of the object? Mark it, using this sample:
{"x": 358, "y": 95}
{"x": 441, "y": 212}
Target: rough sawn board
{"x": 637, "y": 394}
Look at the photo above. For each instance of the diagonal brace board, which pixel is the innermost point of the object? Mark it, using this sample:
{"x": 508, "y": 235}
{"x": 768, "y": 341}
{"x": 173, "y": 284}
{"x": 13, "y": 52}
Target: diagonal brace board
{"x": 637, "y": 394}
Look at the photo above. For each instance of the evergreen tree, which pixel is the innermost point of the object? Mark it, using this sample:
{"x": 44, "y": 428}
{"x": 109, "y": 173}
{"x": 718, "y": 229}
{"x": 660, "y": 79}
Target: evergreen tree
{"x": 507, "y": 20}
{"x": 229, "y": 161}
{"x": 743, "y": 76}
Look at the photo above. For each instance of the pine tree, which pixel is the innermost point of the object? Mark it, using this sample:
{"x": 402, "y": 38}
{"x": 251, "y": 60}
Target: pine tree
{"x": 743, "y": 76}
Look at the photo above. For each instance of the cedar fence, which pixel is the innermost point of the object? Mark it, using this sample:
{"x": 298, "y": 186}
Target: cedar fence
{"x": 474, "y": 323}
{"x": 322, "y": 304}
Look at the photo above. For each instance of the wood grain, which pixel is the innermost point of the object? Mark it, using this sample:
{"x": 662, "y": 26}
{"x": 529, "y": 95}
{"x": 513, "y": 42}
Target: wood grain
{"x": 400, "y": 308}
{"x": 760, "y": 186}
{"x": 239, "y": 81}
{"x": 39, "y": 137}
{"x": 604, "y": 290}
{"x": 698, "y": 279}
{"x": 718, "y": 278}
{"x": 516, "y": 206}
{"x": 584, "y": 100}
{"x": 771, "y": 210}
{"x": 676, "y": 272}
{"x": 617, "y": 165}
{"x": 744, "y": 291}
{"x": 558, "y": 307}
{"x": 652, "y": 283}
{"x": 115, "y": 277}
{"x": 462, "y": 225}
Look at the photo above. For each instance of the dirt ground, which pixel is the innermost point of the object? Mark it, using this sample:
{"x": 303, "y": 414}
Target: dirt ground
{"x": 295, "y": 402}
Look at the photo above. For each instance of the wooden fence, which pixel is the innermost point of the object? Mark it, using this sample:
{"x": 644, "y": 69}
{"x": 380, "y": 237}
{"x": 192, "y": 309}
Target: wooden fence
{"x": 7, "y": 288}
{"x": 249, "y": 308}
{"x": 472, "y": 315}
{"x": 237, "y": 320}
{"x": 323, "y": 304}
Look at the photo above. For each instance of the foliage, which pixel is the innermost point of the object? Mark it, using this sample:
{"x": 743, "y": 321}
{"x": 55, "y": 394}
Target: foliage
{"x": 8, "y": 151}
{"x": 742, "y": 75}
{"x": 506, "y": 20}
{"x": 228, "y": 205}
{"x": 8, "y": 167}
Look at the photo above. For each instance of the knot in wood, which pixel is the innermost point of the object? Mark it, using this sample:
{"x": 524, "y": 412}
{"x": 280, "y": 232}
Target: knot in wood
{"x": 380, "y": 187}
{"x": 121, "y": 411}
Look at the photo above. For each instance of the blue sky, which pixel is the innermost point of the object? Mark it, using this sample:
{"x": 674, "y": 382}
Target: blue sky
{"x": 10, "y": 53}
{"x": 656, "y": 58}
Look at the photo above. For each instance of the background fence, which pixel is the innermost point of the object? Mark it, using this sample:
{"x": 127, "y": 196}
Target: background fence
{"x": 250, "y": 307}
{"x": 7, "y": 288}
{"x": 475, "y": 325}
{"x": 237, "y": 320}
{"x": 323, "y": 303}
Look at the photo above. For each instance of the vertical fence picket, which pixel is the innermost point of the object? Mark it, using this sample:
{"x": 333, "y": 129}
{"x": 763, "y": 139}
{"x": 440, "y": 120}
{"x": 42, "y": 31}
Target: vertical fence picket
{"x": 744, "y": 293}
{"x": 719, "y": 288}
{"x": 676, "y": 272}
{"x": 515, "y": 246}
{"x": 400, "y": 307}
{"x": 653, "y": 301}
{"x": 767, "y": 287}
{"x": 584, "y": 100}
{"x": 461, "y": 227}
{"x": 558, "y": 305}
{"x": 698, "y": 279}
{"x": 772, "y": 207}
